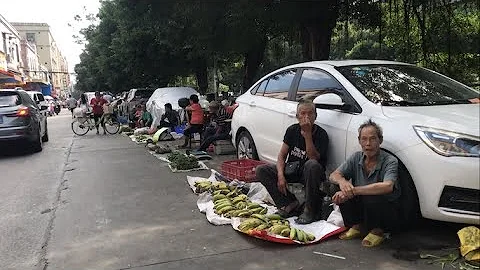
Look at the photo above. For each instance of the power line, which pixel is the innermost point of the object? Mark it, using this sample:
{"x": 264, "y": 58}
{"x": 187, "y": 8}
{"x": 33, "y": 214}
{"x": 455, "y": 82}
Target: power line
{"x": 55, "y": 72}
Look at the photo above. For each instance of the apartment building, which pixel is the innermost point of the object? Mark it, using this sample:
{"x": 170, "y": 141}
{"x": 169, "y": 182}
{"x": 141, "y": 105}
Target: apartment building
{"x": 10, "y": 62}
{"x": 49, "y": 54}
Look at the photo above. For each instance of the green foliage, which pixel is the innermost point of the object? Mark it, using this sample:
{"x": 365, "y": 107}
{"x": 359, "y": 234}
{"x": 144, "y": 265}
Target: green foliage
{"x": 442, "y": 37}
{"x": 157, "y": 43}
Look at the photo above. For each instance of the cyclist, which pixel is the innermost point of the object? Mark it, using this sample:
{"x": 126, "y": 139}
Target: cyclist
{"x": 97, "y": 105}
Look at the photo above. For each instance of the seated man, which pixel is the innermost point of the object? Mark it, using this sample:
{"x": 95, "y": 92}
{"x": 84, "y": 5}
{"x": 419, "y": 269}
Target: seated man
{"x": 371, "y": 198}
{"x": 306, "y": 145}
{"x": 219, "y": 128}
{"x": 169, "y": 118}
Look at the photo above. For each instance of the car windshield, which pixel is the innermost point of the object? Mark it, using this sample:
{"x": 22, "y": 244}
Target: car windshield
{"x": 405, "y": 85}
{"x": 9, "y": 99}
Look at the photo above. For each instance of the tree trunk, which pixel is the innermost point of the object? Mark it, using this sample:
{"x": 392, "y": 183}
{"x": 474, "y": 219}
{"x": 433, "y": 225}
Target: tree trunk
{"x": 202, "y": 75}
{"x": 253, "y": 59}
{"x": 318, "y": 34}
{"x": 422, "y": 26}
{"x": 304, "y": 37}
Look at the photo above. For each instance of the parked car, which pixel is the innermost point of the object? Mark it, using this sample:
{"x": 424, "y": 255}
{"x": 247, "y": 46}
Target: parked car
{"x": 430, "y": 123}
{"x": 135, "y": 96}
{"x": 40, "y": 100}
{"x": 21, "y": 119}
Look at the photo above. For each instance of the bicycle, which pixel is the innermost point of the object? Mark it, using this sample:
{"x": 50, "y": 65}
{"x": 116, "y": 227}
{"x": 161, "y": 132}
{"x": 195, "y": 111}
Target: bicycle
{"x": 82, "y": 125}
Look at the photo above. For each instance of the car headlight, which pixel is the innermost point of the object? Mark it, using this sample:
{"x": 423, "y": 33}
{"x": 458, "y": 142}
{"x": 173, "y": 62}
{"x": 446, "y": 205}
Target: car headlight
{"x": 448, "y": 143}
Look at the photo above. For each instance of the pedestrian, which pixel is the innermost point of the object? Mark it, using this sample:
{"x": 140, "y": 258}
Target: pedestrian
{"x": 369, "y": 189}
{"x": 302, "y": 159}
{"x": 71, "y": 103}
{"x": 97, "y": 107}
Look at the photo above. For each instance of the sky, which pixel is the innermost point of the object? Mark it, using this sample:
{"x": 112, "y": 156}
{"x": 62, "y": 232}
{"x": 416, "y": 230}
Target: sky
{"x": 56, "y": 13}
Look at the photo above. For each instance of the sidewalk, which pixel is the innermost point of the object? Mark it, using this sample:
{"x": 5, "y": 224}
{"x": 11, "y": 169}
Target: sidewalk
{"x": 124, "y": 209}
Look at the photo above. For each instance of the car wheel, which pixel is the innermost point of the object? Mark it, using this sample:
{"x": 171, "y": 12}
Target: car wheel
{"x": 45, "y": 136}
{"x": 409, "y": 204}
{"x": 246, "y": 148}
{"x": 37, "y": 144}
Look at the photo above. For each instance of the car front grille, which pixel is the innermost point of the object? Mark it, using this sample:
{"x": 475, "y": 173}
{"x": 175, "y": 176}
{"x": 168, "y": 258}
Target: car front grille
{"x": 464, "y": 199}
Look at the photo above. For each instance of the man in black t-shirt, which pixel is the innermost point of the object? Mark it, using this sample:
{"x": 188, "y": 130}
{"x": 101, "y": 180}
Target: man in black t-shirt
{"x": 304, "y": 153}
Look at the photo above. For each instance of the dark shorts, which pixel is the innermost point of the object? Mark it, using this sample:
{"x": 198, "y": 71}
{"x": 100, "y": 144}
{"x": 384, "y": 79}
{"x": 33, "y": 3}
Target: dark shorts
{"x": 97, "y": 117}
{"x": 193, "y": 129}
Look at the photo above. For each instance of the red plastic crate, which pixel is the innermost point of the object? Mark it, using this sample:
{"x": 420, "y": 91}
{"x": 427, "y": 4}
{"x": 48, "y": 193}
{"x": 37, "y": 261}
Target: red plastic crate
{"x": 241, "y": 169}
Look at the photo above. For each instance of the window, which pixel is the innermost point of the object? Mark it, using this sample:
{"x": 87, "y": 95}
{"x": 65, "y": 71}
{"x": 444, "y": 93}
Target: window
{"x": 405, "y": 85}
{"x": 31, "y": 37}
{"x": 40, "y": 97}
{"x": 9, "y": 99}
{"x": 261, "y": 88}
{"x": 314, "y": 83}
{"x": 279, "y": 84}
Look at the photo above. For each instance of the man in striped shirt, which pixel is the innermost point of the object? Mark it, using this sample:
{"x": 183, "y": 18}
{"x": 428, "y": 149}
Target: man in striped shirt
{"x": 219, "y": 128}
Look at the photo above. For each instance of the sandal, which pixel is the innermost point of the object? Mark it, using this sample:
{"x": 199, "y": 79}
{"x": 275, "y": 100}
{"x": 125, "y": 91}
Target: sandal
{"x": 350, "y": 234}
{"x": 372, "y": 240}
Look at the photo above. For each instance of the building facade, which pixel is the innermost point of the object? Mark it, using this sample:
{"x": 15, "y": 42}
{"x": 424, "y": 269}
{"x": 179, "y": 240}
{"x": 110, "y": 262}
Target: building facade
{"x": 10, "y": 56}
{"x": 49, "y": 55}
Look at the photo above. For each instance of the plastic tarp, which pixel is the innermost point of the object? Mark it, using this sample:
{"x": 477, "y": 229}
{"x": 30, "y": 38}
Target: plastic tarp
{"x": 156, "y": 103}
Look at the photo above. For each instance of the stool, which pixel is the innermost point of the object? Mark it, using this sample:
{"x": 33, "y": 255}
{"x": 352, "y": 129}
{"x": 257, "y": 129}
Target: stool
{"x": 192, "y": 138}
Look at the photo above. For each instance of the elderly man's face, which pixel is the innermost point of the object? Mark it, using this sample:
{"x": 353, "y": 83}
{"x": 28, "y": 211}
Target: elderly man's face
{"x": 306, "y": 112}
{"x": 369, "y": 141}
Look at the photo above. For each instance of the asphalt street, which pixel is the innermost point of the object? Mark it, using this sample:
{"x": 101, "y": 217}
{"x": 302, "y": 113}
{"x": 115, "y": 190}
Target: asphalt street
{"x": 103, "y": 202}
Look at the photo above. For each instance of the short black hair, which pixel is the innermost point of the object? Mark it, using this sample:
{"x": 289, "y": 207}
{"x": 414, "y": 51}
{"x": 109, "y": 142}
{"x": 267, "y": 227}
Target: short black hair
{"x": 194, "y": 98}
{"x": 168, "y": 105}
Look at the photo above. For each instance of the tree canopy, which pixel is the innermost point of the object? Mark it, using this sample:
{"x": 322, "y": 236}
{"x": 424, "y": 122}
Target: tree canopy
{"x": 151, "y": 43}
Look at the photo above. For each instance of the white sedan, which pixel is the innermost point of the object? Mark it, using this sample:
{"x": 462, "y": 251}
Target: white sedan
{"x": 430, "y": 123}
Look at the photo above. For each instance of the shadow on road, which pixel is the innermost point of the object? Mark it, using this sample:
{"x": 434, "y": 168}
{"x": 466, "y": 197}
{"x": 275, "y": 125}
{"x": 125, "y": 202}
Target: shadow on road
{"x": 14, "y": 149}
{"x": 428, "y": 236}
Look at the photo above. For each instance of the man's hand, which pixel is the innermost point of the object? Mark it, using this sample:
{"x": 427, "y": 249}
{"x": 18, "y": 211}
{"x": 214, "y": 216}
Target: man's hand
{"x": 282, "y": 184}
{"x": 347, "y": 189}
{"x": 339, "y": 198}
{"x": 306, "y": 127}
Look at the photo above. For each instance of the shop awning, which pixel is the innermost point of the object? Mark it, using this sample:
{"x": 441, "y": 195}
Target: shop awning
{"x": 9, "y": 77}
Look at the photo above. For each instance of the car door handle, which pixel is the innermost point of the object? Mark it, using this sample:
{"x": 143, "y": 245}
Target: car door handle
{"x": 253, "y": 104}
{"x": 292, "y": 114}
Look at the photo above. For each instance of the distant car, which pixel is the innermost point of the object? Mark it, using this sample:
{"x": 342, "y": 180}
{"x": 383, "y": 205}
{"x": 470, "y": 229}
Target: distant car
{"x": 430, "y": 123}
{"x": 21, "y": 119}
{"x": 40, "y": 100}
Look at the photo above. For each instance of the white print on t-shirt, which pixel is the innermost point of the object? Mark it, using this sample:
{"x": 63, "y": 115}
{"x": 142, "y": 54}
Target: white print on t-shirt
{"x": 299, "y": 153}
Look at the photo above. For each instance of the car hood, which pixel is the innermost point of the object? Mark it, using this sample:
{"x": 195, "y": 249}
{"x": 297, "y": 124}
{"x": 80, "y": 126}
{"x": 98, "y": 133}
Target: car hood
{"x": 462, "y": 118}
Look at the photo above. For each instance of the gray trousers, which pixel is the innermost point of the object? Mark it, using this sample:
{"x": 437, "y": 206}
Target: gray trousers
{"x": 312, "y": 174}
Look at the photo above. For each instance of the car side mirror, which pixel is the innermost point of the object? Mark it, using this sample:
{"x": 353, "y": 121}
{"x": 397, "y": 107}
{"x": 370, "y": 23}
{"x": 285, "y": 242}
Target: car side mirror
{"x": 43, "y": 107}
{"x": 330, "y": 101}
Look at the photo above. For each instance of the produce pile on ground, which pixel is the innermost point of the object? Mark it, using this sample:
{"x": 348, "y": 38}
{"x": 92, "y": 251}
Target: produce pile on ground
{"x": 229, "y": 201}
{"x": 181, "y": 161}
{"x": 276, "y": 225}
{"x": 142, "y": 138}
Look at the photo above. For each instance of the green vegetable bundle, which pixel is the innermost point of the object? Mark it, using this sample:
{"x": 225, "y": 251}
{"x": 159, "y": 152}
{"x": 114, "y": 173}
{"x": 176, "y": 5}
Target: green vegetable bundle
{"x": 180, "y": 161}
